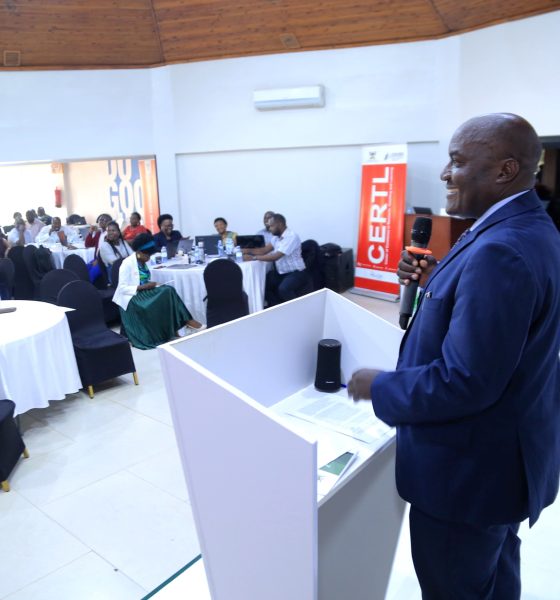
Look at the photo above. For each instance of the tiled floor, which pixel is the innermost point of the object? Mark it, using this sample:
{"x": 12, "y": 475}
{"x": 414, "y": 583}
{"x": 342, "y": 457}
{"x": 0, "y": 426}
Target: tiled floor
{"x": 100, "y": 509}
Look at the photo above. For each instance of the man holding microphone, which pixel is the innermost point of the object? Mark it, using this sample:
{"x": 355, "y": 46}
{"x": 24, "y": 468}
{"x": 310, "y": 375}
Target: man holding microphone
{"x": 475, "y": 395}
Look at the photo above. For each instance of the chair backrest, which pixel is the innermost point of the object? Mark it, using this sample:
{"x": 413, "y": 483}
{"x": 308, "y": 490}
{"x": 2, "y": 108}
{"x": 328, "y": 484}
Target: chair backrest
{"x": 23, "y": 285}
{"x": 43, "y": 261}
{"x": 313, "y": 259}
{"x": 226, "y": 299}
{"x": 84, "y": 298}
{"x": 75, "y": 263}
{"x": 7, "y": 274}
{"x": 115, "y": 268}
{"x": 53, "y": 282}
{"x": 223, "y": 279}
{"x": 29, "y": 260}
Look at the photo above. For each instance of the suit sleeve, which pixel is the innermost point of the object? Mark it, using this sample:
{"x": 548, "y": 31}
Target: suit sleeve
{"x": 490, "y": 322}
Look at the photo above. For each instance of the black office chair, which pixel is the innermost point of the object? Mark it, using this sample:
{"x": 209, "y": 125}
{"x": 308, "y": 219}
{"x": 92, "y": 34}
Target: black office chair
{"x": 23, "y": 286}
{"x": 313, "y": 259}
{"x": 226, "y": 299}
{"x": 11, "y": 444}
{"x": 75, "y": 263}
{"x": 53, "y": 282}
{"x": 101, "y": 354}
{"x": 7, "y": 274}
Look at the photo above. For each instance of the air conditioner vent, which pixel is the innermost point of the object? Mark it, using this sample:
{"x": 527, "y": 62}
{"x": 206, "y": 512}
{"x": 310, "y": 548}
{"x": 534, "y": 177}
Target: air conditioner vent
{"x": 12, "y": 58}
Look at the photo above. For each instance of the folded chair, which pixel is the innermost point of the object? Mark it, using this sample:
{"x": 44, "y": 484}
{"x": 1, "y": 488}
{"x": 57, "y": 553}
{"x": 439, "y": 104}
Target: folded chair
{"x": 101, "y": 354}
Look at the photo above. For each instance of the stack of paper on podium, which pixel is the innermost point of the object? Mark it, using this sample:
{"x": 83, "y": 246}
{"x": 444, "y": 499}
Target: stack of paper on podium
{"x": 252, "y": 432}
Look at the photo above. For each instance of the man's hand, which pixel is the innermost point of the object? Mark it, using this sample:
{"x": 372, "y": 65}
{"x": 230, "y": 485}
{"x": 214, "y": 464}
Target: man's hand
{"x": 359, "y": 386}
{"x": 411, "y": 269}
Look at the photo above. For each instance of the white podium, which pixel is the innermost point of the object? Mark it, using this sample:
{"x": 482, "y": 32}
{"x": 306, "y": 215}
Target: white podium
{"x": 252, "y": 473}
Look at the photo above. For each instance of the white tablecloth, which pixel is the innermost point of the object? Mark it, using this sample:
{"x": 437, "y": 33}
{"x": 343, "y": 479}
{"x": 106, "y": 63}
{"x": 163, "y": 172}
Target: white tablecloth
{"x": 189, "y": 284}
{"x": 59, "y": 253}
{"x": 37, "y": 361}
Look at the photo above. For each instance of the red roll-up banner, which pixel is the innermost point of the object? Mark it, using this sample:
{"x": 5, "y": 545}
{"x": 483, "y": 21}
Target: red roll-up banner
{"x": 380, "y": 230}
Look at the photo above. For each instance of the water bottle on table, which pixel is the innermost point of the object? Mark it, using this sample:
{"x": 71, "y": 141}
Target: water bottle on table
{"x": 220, "y": 248}
{"x": 164, "y": 254}
{"x": 229, "y": 246}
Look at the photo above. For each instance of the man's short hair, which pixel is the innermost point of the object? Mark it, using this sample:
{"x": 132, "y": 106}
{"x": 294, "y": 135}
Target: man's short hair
{"x": 163, "y": 218}
{"x": 279, "y": 218}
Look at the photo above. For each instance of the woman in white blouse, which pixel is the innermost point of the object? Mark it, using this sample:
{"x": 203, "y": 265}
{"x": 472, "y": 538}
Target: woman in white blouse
{"x": 151, "y": 314}
{"x": 113, "y": 246}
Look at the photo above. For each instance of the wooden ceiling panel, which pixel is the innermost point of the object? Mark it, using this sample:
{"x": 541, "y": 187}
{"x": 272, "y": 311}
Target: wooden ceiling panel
{"x": 135, "y": 33}
{"x": 463, "y": 16}
{"x": 70, "y": 33}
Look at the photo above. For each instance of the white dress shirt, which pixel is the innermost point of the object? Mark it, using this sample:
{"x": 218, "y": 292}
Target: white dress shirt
{"x": 46, "y": 237}
{"x": 290, "y": 246}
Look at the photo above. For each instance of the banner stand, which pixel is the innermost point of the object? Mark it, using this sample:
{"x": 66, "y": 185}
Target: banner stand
{"x": 381, "y": 223}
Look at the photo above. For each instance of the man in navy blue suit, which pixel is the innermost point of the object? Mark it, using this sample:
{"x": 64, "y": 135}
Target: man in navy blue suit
{"x": 475, "y": 395}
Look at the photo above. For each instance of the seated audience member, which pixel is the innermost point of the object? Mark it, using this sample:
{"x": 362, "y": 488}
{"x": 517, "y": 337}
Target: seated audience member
{"x": 97, "y": 232}
{"x": 134, "y": 229}
{"x": 167, "y": 233}
{"x": 151, "y": 314}
{"x": 221, "y": 227}
{"x": 265, "y": 232}
{"x": 34, "y": 226}
{"x": 42, "y": 216}
{"x": 19, "y": 235}
{"x": 113, "y": 246}
{"x": 286, "y": 281}
{"x": 57, "y": 234}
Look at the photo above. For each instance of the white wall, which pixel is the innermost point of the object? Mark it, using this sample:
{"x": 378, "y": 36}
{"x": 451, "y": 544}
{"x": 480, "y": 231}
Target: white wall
{"x": 25, "y": 187}
{"x": 58, "y": 115}
{"x": 199, "y": 121}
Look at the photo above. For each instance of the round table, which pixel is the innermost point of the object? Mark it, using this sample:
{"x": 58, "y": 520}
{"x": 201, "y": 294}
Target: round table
{"x": 37, "y": 361}
{"x": 189, "y": 283}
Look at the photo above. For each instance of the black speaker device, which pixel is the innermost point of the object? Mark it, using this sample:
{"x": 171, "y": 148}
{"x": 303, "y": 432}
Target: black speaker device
{"x": 327, "y": 376}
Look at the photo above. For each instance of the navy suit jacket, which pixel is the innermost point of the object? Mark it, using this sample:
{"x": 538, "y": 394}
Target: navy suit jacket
{"x": 476, "y": 393}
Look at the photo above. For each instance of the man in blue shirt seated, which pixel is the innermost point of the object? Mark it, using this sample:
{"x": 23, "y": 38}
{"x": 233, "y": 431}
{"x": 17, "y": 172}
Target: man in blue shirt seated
{"x": 288, "y": 279}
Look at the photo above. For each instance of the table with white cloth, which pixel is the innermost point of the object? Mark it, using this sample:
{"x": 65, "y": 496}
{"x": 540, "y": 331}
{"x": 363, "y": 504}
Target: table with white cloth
{"x": 59, "y": 253}
{"x": 189, "y": 283}
{"x": 37, "y": 361}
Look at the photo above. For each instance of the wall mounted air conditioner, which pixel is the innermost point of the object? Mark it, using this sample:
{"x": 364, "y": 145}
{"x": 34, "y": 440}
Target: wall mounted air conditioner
{"x": 311, "y": 96}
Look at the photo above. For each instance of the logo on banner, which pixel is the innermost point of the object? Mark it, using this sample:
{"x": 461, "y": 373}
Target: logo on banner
{"x": 380, "y": 235}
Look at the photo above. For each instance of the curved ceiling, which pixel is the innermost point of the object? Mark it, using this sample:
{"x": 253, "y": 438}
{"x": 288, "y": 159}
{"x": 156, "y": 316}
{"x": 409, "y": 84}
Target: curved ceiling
{"x": 59, "y": 34}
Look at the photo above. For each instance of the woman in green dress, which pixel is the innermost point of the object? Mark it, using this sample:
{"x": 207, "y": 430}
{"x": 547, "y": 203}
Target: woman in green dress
{"x": 151, "y": 314}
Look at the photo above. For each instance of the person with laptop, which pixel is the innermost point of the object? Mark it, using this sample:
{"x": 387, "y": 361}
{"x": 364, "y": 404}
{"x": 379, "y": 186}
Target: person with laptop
{"x": 289, "y": 278}
{"x": 166, "y": 233}
{"x": 221, "y": 227}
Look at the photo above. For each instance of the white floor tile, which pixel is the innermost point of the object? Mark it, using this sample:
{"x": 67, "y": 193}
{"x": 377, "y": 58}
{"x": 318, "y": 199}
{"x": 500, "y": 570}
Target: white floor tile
{"x": 87, "y": 578}
{"x": 165, "y": 472}
{"x": 109, "y": 449}
{"x": 144, "y": 532}
{"x": 33, "y": 545}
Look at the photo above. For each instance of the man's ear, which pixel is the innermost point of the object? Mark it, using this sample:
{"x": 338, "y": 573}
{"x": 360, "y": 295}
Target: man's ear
{"x": 509, "y": 169}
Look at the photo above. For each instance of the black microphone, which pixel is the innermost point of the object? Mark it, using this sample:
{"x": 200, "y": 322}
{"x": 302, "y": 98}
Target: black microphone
{"x": 420, "y": 238}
